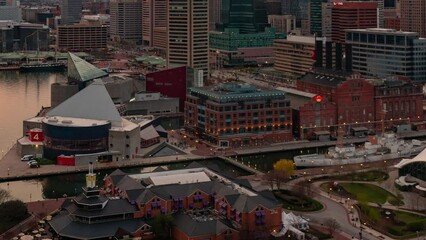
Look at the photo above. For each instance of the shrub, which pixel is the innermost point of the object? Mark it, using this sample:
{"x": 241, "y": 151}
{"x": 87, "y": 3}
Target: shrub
{"x": 416, "y": 226}
{"x": 394, "y": 231}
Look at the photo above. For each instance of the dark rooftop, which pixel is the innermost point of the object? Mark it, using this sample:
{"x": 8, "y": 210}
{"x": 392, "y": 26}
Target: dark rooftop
{"x": 195, "y": 228}
{"x": 64, "y": 225}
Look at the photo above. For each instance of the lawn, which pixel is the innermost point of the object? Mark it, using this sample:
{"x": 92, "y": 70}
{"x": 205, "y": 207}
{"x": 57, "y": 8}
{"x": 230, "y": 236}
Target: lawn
{"x": 400, "y": 224}
{"x": 369, "y": 176}
{"x": 363, "y": 192}
{"x": 296, "y": 202}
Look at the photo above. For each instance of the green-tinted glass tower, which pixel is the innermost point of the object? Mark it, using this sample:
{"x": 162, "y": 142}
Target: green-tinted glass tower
{"x": 249, "y": 16}
{"x": 315, "y": 12}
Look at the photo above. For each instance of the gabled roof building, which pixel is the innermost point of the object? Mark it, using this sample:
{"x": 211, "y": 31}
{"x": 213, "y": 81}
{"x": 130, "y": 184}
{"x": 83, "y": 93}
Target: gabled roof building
{"x": 208, "y": 206}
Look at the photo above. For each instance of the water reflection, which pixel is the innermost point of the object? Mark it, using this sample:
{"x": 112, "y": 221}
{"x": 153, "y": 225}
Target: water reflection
{"x": 71, "y": 184}
{"x": 21, "y": 97}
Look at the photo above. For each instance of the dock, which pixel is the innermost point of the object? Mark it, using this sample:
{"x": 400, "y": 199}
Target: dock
{"x": 240, "y": 165}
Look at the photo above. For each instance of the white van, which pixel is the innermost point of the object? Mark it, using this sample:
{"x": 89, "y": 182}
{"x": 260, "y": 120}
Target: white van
{"x": 27, "y": 157}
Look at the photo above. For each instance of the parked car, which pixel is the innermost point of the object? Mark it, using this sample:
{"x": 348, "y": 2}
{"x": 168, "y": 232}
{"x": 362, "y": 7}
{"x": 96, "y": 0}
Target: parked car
{"x": 32, "y": 162}
{"x": 34, "y": 165}
{"x": 27, "y": 158}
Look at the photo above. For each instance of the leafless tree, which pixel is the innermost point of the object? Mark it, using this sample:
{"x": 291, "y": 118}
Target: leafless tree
{"x": 4, "y": 196}
{"x": 270, "y": 179}
{"x": 331, "y": 225}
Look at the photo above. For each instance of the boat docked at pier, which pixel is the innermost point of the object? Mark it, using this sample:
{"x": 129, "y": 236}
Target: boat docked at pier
{"x": 381, "y": 148}
{"x": 39, "y": 67}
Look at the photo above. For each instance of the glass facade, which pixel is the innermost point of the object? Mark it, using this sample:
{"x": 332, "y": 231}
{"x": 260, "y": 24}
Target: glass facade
{"x": 249, "y": 16}
{"x": 315, "y": 13}
{"x": 415, "y": 169}
{"x": 388, "y": 52}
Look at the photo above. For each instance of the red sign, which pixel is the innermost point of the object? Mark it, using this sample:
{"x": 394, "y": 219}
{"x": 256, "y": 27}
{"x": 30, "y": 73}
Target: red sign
{"x": 313, "y": 55}
{"x": 318, "y": 98}
{"x": 36, "y": 135}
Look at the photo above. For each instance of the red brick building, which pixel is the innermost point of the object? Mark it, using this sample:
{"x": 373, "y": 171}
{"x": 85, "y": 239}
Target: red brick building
{"x": 398, "y": 101}
{"x": 238, "y": 115}
{"x": 354, "y": 98}
{"x": 253, "y": 216}
{"x": 317, "y": 115}
{"x": 362, "y": 102}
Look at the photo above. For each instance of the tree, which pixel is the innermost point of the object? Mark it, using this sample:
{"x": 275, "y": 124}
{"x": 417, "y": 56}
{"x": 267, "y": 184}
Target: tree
{"x": 284, "y": 167}
{"x": 11, "y": 213}
{"x": 4, "y": 196}
{"x": 331, "y": 225}
{"x": 269, "y": 177}
{"x": 162, "y": 226}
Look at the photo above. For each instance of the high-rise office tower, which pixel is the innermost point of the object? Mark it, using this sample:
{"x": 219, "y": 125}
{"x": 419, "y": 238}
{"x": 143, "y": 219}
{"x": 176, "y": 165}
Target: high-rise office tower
{"x": 298, "y": 8}
{"x": 413, "y": 16}
{"x": 188, "y": 34}
{"x": 215, "y": 8}
{"x": 273, "y": 7}
{"x": 147, "y": 22}
{"x": 71, "y": 11}
{"x": 390, "y": 3}
{"x": 126, "y": 21}
{"x": 315, "y": 16}
{"x": 338, "y": 16}
{"x": 159, "y": 30}
{"x": 249, "y": 16}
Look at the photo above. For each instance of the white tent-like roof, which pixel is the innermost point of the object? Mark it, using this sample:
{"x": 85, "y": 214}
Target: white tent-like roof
{"x": 93, "y": 102}
{"x": 421, "y": 157}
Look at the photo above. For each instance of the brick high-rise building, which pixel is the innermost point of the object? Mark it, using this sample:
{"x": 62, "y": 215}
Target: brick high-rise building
{"x": 413, "y": 16}
{"x": 147, "y": 22}
{"x": 348, "y": 15}
{"x": 126, "y": 21}
{"x": 159, "y": 25}
{"x": 188, "y": 34}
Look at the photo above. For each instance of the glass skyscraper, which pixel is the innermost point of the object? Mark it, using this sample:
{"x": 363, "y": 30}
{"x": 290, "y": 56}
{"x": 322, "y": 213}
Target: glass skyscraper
{"x": 249, "y": 16}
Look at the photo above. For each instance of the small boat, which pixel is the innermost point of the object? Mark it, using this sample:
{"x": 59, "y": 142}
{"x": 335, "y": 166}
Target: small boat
{"x": 386, "y": 148}
{"x": 40, "y": 67}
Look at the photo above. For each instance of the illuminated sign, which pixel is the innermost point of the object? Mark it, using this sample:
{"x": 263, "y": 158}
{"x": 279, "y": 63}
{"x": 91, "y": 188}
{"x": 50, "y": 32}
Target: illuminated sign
{"x": 318, "y": 98}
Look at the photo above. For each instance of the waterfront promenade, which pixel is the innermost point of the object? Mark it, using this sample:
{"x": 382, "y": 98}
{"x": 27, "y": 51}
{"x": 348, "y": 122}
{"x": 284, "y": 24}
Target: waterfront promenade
{"x": 12, "y": 168}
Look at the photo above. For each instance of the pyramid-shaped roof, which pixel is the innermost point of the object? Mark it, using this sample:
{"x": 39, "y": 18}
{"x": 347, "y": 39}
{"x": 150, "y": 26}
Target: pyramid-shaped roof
{"x": 93, "y": 102}
{"x": 81, "y": 70}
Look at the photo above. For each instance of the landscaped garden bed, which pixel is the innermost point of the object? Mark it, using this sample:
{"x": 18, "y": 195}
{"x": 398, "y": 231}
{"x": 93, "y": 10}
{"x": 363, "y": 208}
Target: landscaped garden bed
{"x": 393, "y": 223}
{"x": 297, "y": 202}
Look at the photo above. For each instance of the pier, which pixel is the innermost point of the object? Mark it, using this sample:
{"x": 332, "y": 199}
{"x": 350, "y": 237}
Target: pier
{"x": 240, "y": 165}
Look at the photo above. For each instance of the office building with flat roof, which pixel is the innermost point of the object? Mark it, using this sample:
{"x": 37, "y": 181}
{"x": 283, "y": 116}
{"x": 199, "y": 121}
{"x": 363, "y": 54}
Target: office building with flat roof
{"x": 126, "y": 21}
{"x": 81, "y": 37}
{"x": 247, "y": 15}
{"x": 188, "y": 35}
{"x": 383, "y": 52}
{"x": 413, "y": 14}
{"x": 234, "y": 115}
{"x": 338, "y": 16}
{"x": 71, "y": 11}
{"x": 231, "y": 48}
